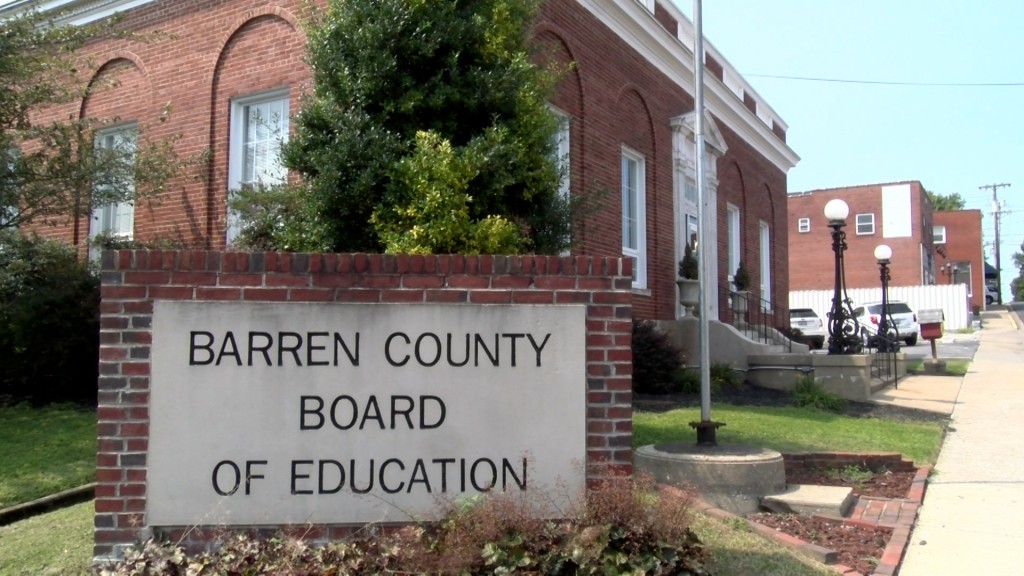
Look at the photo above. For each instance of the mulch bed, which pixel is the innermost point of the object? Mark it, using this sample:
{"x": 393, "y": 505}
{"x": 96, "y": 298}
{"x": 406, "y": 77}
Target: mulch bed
{"x": 883, "y": 484}
{"x": 858, "y": 547}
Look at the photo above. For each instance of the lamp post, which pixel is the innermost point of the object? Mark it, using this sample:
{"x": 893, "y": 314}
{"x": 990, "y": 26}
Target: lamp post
{"x": 843, "y": 329}
{"x": 886, "y": 340}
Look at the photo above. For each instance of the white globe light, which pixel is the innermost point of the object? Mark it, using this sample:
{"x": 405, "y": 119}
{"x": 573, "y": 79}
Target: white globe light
{"x": 883, "y": 253}
{"x": 836, "y": 209}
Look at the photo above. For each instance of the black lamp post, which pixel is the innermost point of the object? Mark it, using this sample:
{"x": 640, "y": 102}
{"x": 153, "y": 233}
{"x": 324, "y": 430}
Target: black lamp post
{"x": 886, "y": 339}
{"x": 843, "y": 329}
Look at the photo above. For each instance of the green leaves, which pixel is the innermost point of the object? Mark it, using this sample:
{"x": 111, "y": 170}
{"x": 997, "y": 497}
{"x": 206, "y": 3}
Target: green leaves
{"x": 49, "y": 321}
{"x": 390, "y": 71}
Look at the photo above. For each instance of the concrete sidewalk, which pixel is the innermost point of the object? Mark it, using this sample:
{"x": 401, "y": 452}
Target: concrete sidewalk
{"x": 970, "y": 521}
{"x": 924, "y": 392}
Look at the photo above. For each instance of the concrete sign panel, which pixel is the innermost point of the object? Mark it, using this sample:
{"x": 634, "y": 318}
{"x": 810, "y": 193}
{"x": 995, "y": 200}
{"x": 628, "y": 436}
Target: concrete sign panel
{"x": 336, "y": 413}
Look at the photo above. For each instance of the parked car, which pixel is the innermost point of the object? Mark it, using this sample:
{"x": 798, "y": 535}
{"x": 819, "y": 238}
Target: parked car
{"x": 902, "y": 319}
{"x": 812, "y": 330}
{"x": 991, "y": 295}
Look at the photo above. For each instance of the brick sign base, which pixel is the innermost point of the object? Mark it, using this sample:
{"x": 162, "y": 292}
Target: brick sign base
{"x": 134, "y": 280}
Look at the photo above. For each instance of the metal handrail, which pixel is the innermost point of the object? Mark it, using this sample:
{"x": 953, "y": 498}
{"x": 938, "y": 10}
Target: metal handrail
{"x": 759, "y": 322}
{"x": 883, "y": 348}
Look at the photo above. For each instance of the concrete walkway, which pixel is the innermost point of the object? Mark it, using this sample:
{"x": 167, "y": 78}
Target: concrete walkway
{"x": 970, "y": 522}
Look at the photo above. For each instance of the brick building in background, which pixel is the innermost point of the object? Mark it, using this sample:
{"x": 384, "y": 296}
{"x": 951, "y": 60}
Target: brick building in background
{"x": 897, "y": 214}
{"x": 628, "y": 115}
{"x": 959, "y": 257}
{"x": 928, "y": 247}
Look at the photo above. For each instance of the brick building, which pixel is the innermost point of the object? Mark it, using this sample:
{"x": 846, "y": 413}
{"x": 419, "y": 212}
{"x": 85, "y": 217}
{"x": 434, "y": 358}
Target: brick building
{"x": 627, "y": 104}
{"x": 928, "y": 247}
{"x": 959, "y": 257}
{"x": 897, "y": 214}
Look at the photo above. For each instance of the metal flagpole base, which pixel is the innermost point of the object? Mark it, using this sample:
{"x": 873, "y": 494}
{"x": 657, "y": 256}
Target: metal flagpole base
{"x": 706, "y": 430}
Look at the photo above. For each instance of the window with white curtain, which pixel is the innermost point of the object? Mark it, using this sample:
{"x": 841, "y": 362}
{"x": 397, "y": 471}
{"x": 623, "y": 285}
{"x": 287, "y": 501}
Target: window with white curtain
{"x": 766, "y": 262}
{"x": 561, "y": 142}
{"x": 732, "y": 231}
{"x": 634, "y": 225}
{"x": 259, "y": 125}
{"x": 117, "y": 219}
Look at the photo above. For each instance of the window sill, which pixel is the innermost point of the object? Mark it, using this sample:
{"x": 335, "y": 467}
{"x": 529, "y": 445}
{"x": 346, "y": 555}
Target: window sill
{"x": 641, "y": 291}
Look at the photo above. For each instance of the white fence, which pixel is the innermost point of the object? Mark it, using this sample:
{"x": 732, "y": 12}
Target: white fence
{"x": 951, "y": 299}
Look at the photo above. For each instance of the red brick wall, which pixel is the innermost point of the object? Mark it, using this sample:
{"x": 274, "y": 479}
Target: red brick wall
{"x": 811, "y": 260}
{"x": 618, "y": 98}
{"x": 133, "y": 280}
{"x": 178, "y": 83}
{"x": 963, "y": 244}
{"x": 208, "y": 52}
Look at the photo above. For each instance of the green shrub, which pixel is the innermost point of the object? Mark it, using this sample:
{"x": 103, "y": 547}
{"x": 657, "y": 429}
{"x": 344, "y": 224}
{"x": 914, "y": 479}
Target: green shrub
{"x": 808, "y": 394}
{"x": 623, "y": 526}
{"x": 49, "y": 322}
{"x": 276, "y": 217}
{"x": 724, "y": 376}
{"x": 433, "y": 215}
{"x": 687, "y": 381}
{"x": 655, "y": 359}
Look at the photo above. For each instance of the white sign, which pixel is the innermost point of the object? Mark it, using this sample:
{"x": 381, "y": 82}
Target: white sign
{"x": 290, "y": 413}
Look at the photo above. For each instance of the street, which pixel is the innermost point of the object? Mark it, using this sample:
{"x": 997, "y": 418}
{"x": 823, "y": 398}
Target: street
{"x": 950, "y": 346}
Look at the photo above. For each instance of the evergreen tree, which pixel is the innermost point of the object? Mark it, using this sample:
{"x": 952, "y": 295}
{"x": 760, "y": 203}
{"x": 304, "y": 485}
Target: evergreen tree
{"x": 427, "y": 130}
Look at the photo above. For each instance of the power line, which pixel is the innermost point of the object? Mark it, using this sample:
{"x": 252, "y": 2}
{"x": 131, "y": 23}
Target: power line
{"x": 888, "y": 82}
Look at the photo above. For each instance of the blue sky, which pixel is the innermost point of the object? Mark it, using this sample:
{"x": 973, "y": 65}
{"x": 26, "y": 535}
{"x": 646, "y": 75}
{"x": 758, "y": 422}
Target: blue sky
{"x": 951, "y": 138}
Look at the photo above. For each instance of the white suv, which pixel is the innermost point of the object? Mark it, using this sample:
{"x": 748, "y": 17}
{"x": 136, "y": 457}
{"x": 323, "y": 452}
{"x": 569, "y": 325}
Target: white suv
{"x": 812, "y": 331}
{"x": 902, "y": 319}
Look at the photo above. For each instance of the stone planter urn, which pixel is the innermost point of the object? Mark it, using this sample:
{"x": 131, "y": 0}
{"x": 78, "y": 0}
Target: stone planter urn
{"x": 689, "y": 294}
{"x": 740, "y": 301}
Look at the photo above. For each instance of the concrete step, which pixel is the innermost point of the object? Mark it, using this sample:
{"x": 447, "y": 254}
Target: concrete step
{"x": 834, "y": 501}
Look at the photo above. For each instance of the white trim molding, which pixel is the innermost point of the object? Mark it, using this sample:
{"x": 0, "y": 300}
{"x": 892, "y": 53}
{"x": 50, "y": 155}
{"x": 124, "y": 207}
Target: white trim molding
{"x": 75, "y": 12}
{"x": 672, "y": 56}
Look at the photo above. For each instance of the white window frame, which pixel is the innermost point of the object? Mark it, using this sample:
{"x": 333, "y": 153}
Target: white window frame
{"x": 634, "y": 211}
{"x": 938, "y": 235}
{"x": 562, "y": 149}
{"x": 9, "y": 206}
{"x": 562, "y": 154}
{"x": 867, "y": 227}
{"x": 118, "y": 218}
{"x": 732, "y": 239}
{"x": 766, "y": 262}
{"x": 238, "y": 143}
{"x": 803, "y": 225}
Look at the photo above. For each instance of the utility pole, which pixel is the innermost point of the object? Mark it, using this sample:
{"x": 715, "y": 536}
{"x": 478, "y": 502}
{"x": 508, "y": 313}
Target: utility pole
{"x": 996, "y": 212}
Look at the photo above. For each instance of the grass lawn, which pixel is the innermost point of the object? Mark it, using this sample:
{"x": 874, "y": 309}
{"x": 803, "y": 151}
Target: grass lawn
{"x": 791, "y": 429}
{"x": 45, "y": 450}
{"x": 737, "y": 551}
{"x": 53, "y": 449}
{"x": 58, "y": 543}
{"x": 953, "y": 367}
